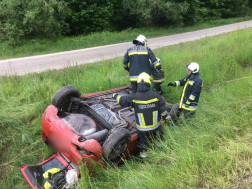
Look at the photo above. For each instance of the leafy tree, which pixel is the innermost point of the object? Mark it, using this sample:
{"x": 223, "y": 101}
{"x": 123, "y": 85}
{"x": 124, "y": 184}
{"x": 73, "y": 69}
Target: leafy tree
{"x": 89, "y": 15}
{"x": 49, "y": 18}
{"x": 205, "y": 10}
{"x": 235, "y": 8}
{"x": 24, "y": 18}
{"x": 122, "y": 19}
{"x": 151, "y": 13}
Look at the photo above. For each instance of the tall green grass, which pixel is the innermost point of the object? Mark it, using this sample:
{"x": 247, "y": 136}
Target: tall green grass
{"x": 205, "y": 155}
{"x": 39, "y": 46}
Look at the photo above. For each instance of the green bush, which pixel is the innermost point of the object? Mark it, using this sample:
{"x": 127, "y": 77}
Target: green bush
{"x": 52, "y": 18}
{"x": 150, "y": 13}
{"x": 41, "y": 18}
{"x": 90, "y": 15}
{"x": 205, "y": 10}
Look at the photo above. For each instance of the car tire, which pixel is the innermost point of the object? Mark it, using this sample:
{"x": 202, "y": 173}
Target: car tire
{"x": 174, "y": 111}
{"x": 116, "y": 143}
{"x": 61, "y": 99}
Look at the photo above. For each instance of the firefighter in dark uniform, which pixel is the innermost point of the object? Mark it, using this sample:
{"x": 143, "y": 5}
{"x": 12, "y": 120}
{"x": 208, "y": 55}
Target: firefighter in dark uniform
{"x": 149, "y": 108}
{"x": 136, "y": 60}
{"x": 191, "y": 91}
{"x": 158, "y": 76}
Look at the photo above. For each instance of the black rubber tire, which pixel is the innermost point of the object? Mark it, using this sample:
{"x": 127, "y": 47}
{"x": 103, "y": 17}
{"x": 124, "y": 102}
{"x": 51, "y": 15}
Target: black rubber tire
{"x": 61, "y": 99}
{"x": 174, "y": 111}
{"x": 116, "y": 143}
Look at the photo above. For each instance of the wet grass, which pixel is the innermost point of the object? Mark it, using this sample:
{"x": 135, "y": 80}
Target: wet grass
{"x": 39, "y": 46}
{"x": 213, "y": 153}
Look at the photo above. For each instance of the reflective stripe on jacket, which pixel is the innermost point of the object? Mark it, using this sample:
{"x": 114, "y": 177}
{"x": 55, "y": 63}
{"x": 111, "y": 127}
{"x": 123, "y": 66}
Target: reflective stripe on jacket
{"x": 138, "y": 59}
{"x": 191, "y": 91}
{"x": 149, "y": 107}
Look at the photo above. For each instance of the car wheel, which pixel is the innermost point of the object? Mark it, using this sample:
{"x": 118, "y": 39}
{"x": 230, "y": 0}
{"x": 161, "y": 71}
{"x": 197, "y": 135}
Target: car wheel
{"x": 116, "y": 143}
{"x": 61, "y": 99}
{"x": 174, "y": 111}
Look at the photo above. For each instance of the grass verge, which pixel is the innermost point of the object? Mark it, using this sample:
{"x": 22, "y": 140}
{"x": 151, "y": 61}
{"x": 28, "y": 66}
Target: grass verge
{"x": 209, "y": 154}
{"x": 39, "y": 46}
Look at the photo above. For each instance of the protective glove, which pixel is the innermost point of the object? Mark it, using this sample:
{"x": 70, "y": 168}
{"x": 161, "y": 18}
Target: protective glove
{"x": 187, "y": 104}
{"x": 173, "y": 84}
{"x": 161, "y": 73}
{"x": 126, "y": 68}
{"x": 168, "y": 118}
{"x": 165, "y": 119}
{"x": 114, "y": 95}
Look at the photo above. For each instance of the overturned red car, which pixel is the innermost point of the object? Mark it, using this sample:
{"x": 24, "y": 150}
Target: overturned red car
{"x": 91, "y": 127}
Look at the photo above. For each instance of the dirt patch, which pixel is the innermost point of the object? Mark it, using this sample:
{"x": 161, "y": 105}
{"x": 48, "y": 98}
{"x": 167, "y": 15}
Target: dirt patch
{"x": 163, "y": 163}
{"x": 3, "y": 150}
{"x": 245, "y": 64}
{"x": 243, "y": 182}
{"x": 2, "y": 173}
{"x": 29, "y": 121}
{"x": 3, "y": 159}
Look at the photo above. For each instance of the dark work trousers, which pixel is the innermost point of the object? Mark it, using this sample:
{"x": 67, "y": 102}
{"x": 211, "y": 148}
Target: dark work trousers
{"x": 187, "y": 115}
{"x": 134, "y": 86}
{"x": 145, "y": 136}
{"x": 157, "y": 87}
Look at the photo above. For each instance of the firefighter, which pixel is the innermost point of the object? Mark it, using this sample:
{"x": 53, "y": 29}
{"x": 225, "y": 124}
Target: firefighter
{"x": 136, "y": 60}
{"x": 149, "y": 107}
{"x": 191, "y": 91}
{"x": 158, "y": 77}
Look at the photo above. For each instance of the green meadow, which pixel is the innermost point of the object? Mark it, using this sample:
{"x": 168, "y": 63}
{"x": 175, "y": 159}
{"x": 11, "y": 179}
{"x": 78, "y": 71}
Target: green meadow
{"x": 38, "y": 46}
{"x": 214, "y": 152}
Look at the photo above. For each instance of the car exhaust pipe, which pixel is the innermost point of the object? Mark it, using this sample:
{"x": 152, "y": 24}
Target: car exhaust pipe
{"x": 99, "y": 136}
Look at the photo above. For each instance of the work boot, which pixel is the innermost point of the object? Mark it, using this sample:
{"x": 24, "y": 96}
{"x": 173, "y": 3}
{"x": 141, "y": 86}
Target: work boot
{"x": 143, "y": 154}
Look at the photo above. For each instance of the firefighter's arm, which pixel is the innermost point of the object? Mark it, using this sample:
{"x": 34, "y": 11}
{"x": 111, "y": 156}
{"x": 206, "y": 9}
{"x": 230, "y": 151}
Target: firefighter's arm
{"x": 162, "y": 109}
{"x": 125, "y": 101}
{"x": 176, "y": 83}
{"x": 154, "y": 60}
{"x": 126, "y": 61}
{"x": 181, "y": 82}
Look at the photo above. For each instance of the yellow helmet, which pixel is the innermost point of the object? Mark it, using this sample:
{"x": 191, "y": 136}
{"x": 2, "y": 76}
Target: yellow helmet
{"x": 144, "y": 78}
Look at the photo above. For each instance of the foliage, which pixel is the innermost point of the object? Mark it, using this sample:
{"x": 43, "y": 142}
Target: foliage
{"x": 205, "y": 10}
{"x": 89, "y": 15}
{"x": 149, "y": 13}
{"x": 52, "y": 18}
{"x": 31, "y": 18}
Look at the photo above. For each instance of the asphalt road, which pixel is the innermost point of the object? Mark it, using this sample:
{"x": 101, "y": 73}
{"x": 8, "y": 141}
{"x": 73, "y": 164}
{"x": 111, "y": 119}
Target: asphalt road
{"x": 40, "y": 63}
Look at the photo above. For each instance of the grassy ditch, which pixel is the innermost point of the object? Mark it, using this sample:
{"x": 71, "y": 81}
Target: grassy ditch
{"x": 209, "y": 154}
{"x": 39, "y": 46}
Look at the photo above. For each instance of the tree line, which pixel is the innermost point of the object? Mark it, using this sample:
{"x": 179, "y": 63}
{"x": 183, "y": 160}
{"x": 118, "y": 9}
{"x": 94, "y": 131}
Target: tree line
{"x": 51, "y": 18}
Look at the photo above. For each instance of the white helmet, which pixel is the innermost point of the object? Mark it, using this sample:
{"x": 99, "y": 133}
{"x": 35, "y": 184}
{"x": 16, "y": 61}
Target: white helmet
{"x": 142, "y": 39}
{"x": 194, "y": 67}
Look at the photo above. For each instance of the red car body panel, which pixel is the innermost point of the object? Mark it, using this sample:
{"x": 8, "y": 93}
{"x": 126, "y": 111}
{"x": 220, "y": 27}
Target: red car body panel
{"x": 64, "y": 140}
{"x": 103, "y": 92}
